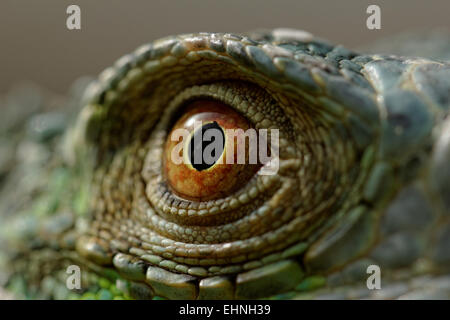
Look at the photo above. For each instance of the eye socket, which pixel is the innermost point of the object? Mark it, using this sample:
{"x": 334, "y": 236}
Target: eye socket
{"x": 201, "y": 160}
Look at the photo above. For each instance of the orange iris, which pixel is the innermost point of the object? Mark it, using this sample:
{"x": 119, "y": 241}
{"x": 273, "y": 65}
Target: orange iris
{"x": 198, "y": 162}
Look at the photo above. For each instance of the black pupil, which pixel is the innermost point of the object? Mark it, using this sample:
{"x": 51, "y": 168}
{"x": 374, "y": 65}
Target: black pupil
{"x": 206, "y": 146}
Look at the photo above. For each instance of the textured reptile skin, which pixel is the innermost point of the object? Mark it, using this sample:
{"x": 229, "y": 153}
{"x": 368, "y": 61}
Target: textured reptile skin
{"x": 364, "y": 177}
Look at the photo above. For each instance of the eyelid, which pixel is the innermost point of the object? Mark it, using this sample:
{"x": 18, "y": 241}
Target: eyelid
{"x": 242, "y": 97}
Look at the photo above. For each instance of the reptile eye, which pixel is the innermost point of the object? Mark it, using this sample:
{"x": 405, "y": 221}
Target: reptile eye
{"x": 201, "y": 160}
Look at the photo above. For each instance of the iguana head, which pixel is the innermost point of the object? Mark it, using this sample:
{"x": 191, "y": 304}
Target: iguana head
{"x": 363, "y": 140}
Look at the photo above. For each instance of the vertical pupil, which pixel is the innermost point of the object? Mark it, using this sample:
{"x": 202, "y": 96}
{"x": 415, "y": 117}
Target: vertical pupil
{"x": 206, "y": 146}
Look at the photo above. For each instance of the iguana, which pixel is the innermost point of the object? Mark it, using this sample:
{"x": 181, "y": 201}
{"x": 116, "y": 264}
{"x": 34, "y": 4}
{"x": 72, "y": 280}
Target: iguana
{"x": 363, "y": 181}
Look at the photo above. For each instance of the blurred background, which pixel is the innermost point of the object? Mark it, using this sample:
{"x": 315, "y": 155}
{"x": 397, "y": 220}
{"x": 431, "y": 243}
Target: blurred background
{"x": 44, "y": 67}
{"x": 35, "y": 44}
